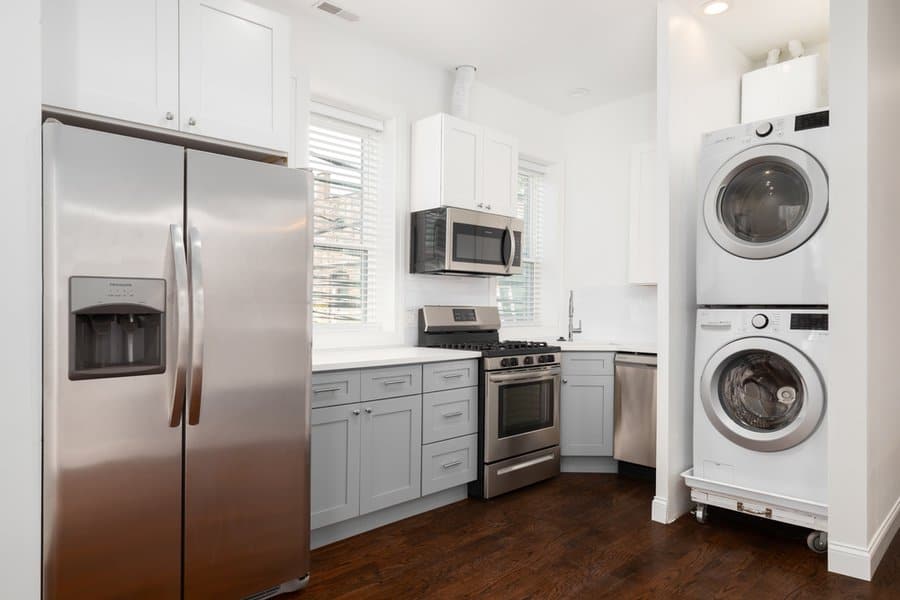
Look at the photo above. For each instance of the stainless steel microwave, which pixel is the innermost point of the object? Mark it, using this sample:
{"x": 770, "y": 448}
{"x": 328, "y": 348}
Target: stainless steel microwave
{"x": 457, "y": 241}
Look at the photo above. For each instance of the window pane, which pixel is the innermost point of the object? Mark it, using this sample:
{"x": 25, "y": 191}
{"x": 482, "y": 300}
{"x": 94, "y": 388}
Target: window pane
{"x": 345, "y": 159}
{"x": 515, "y": 296}
{"x": 339, "y": 285}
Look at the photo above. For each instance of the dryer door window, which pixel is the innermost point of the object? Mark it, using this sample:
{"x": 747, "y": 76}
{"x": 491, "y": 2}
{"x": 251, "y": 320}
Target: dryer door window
{"x": 766, "y": 201}
{"x": 762, "y": 394}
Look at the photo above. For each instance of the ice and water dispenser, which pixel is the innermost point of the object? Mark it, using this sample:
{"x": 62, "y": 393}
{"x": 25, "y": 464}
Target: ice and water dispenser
{"x": 117, "y": 327}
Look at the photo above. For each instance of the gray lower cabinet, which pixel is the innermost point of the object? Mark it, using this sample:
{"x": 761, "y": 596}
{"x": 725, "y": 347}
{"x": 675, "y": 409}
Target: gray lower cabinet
{"x": 586, "y": 405}
{"x": 334, "y": 480}
{"x": 449, "y": 463}
{"x": 391, "y": 441}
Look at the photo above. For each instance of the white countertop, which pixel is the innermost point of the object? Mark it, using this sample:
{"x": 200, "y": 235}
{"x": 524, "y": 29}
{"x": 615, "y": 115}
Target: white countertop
{"x": 361, "y": 358}
{"x": 607, "y": 346}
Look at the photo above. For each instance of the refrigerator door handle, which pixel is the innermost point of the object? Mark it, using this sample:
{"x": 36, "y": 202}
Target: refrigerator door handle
{"x": 183, "y": 315}
{"x": 195, "y": 375}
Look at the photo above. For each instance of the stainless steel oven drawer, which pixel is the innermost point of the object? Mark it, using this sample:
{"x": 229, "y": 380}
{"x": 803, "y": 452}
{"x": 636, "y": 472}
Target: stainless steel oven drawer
{"x": 449, "y": 414}
{"x": 449, "y": 463}
{"x": 391, "y": 382}
{"x": 449, "y": 375}
{"x": 513, "y": 473}
{"x": 335, "y": 387}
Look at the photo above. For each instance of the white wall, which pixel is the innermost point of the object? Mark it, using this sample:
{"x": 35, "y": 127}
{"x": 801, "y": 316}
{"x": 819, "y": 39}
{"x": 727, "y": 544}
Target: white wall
{"x": 698, "y": 88}
{"x": 598, "y": 177}
{"x": 20, "y": 344}
{"x": 354, "y": 72}
{"x": 864, "y": 447}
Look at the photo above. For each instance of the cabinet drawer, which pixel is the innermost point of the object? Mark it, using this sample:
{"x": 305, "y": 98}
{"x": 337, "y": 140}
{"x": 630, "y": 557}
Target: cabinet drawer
{"x": 335, "y": 387}
{"x": 588, "y": 363}
{"x": 449, "y": 375}
{"x": 449, "y": 463}
{"x": 391, "y": 382}
{"x": 449, "y": 414}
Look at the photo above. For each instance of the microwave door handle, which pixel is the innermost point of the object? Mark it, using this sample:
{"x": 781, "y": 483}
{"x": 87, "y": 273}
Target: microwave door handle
{"x": 512, "y": 248}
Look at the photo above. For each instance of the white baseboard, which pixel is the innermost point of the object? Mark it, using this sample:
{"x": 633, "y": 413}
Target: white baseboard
{"x": 859, "y": 562}
{"x": 588, "y": 464}
{"x": 659, "y": 510}
{"x": 339, "y": 531}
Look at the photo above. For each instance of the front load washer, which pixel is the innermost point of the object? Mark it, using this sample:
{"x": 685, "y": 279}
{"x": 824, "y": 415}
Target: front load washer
{"x": 764, "y": 202}
{"x": 760, "y": 400}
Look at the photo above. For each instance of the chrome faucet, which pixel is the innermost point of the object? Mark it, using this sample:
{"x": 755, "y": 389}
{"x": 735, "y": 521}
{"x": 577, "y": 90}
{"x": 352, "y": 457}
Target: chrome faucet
{"x": 572, "y": 329}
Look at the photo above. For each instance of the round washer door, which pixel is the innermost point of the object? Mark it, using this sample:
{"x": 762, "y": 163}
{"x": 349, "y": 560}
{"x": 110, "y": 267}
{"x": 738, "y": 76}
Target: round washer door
{"x": 762, "y": 394}
{"x": 766, "y": 201}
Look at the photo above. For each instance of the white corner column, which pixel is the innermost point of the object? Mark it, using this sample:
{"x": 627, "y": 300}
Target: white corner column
{"x": 689, "y": 58}
{"x": 20, "y": 302}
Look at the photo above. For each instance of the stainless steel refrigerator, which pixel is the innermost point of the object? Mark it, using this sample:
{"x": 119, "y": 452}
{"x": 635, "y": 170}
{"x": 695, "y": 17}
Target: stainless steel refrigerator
{"x": 176, "y": 371}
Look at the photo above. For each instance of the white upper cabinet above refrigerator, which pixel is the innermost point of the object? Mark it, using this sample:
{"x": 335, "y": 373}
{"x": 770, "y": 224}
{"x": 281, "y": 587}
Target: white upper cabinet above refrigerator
{"x": 461, "y": 164}
{"x": 212, "y": 68}
{"x": 112, "y": 58}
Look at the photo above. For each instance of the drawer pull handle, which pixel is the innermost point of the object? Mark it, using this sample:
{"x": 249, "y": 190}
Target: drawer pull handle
{"x": 450, "y": 415}
{"x": 451, "y": 464}
{"x": 336, "y": 388}
{"x": 526, "y": 464}
{"x": 763, "y": 513}
{"x": 453, "y": 375}
{"x": 394, "y": 381}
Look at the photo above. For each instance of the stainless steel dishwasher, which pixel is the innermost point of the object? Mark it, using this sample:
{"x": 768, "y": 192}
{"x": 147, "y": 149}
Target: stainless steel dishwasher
{"x": 634, "y": 439}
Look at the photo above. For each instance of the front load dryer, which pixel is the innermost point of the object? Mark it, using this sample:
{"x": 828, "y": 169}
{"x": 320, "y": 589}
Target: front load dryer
{"x": 760, "y": 400}
{"x": 764, "y": 202}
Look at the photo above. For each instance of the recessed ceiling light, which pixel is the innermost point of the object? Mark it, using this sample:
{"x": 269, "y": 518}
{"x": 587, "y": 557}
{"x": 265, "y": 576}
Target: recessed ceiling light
{"x": 579, "y": 92}
{"x": 715, "y": 7}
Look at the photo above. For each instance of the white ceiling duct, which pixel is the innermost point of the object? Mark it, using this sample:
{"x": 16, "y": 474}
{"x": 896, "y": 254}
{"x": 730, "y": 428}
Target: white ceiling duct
{"x": 462, "y": 85}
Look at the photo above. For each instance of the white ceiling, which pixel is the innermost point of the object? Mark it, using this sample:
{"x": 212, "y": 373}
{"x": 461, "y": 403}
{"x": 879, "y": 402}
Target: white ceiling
{"x": 538, "y": 50}
{"x": 755, "y": 26}
{"x": 541, "y": 50}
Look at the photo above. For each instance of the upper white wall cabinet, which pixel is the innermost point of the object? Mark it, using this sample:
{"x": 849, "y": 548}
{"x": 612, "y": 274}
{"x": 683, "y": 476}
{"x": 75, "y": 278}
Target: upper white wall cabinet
{"x": 458, "y": 163}
{"x": 214, "y": 68}
{"x": 642, "y": 215}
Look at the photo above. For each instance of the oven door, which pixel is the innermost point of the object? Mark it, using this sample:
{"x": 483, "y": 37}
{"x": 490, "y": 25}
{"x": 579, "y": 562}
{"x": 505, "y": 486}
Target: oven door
{"x": 484, "y": 243}
{"x": 521, "y": 412}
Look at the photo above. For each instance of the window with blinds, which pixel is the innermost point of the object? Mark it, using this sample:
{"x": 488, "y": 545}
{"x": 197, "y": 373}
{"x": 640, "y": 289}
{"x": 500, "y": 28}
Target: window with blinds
{"x": 519, "y": 296}
{"x": 344, "y": 153}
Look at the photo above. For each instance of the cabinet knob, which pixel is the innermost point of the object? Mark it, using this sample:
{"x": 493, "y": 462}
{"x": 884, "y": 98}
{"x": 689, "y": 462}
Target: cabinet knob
{"x": 356, "y": 411}
{"x": 488, "y": 207}
{"x": 192, "y": 121}
{"x": 565, "y": 381}
{"x": 368, "y": 411}
{"x": 481, "y": 205}
{"x": 169, "y": 116}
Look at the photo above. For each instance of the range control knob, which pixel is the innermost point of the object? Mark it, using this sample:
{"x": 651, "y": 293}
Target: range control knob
{"x": 514, "y": 362}
{"x": 504, "y": 362}
{"x": 549, "y": 358}
{"x": 759, "y": 321}
{"x": 764, "y": 129}
{"x": 529, "y": 360}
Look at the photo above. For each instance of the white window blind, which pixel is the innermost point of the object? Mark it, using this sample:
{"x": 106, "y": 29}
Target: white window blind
{"x": 344, "y": 154}
{"x": 519, "y": 296}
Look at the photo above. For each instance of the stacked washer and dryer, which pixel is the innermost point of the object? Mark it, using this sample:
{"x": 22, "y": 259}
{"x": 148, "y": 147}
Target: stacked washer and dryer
{"x": 762, "y": 323}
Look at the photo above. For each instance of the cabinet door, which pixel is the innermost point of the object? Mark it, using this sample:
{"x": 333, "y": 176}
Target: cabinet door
{"x": 334, "y": 454}
{"x": 642, "y": 215}
{"x": 461, "y": 148}
{"x": 235, "y": 72}
{"x": 586, "y": 415}
{"x": 501, "y": 166}
{"x": 112, "y": 58}
{"x": 391, "y": 452}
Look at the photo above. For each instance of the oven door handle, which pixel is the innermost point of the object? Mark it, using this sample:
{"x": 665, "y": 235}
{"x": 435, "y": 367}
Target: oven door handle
{"x": 536, "y": 375}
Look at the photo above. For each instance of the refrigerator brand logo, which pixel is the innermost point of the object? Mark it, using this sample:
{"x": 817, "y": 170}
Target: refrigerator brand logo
{"x": 120, "y": 289}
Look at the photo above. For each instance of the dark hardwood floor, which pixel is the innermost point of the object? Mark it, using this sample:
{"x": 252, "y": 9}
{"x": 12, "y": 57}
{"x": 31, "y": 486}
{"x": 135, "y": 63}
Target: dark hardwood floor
{"x": 582, "y": 536}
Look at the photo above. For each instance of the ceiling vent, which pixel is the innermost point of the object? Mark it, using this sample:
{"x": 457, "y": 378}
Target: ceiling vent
{"x": 334, "y": 9}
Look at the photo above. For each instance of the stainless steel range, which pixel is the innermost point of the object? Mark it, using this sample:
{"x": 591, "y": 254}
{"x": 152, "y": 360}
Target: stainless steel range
{"x": 518, "y": 398}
